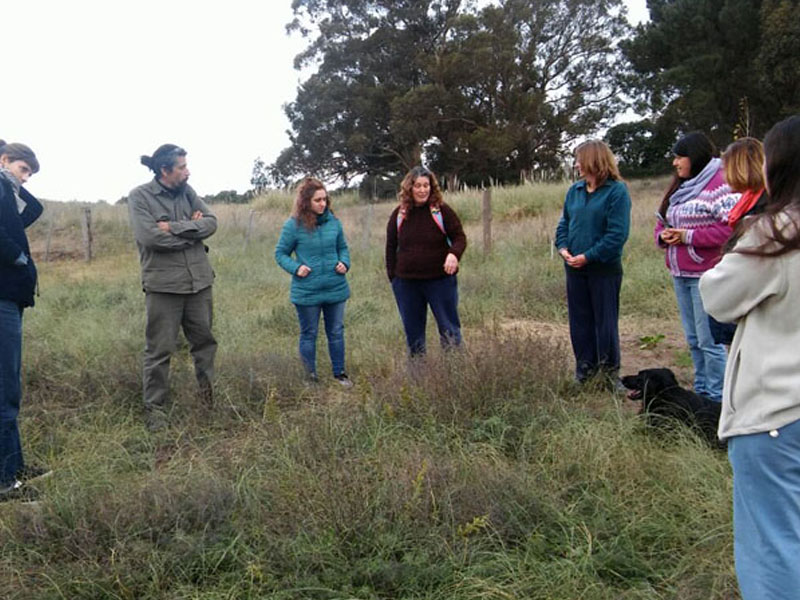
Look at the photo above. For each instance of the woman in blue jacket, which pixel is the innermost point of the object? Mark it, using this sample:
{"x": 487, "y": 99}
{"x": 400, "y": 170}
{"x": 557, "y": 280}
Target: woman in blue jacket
{"x": 590, "y": 235}
{"x": 312, "y": 248}
{"x": 18, "y": 209}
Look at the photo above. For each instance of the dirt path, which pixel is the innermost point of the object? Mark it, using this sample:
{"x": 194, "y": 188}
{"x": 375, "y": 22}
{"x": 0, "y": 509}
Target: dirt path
{"x": 669, "y": 351}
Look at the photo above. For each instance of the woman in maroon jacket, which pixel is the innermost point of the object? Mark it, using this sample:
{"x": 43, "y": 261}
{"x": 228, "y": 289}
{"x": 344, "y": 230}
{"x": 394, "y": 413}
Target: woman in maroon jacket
{"x": 424, "y": 243}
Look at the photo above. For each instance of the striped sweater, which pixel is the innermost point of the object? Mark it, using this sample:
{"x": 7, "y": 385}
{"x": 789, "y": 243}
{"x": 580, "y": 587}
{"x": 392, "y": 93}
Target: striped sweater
{"x": 705, "y": 219}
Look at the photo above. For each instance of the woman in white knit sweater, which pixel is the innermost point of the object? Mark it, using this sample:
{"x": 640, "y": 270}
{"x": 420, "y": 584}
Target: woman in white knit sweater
{"x": 757, "y": 284}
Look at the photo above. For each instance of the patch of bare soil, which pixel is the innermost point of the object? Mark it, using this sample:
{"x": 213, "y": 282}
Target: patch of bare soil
{"x": 641, "y": 343}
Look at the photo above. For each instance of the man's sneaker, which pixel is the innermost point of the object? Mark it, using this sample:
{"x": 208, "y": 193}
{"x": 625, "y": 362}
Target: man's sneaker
{"x": 30, "y": 473}
{"x": 19, "y": 492}
{"x": 343, "y": 380}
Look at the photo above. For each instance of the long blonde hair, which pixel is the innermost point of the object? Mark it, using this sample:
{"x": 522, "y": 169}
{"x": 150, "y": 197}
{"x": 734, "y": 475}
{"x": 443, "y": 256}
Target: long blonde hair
{"x": 743, "y": 161}
{"x": 597, "y": 160}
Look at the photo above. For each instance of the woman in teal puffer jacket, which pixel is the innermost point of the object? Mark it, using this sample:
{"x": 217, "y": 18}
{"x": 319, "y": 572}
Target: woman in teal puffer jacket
{"x": 313, "y": 249}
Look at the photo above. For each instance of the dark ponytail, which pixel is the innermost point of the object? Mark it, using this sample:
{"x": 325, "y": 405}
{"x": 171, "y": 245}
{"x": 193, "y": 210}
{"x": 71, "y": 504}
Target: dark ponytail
{"x": 782, "y": 170}
{"x": 164, "y": 157}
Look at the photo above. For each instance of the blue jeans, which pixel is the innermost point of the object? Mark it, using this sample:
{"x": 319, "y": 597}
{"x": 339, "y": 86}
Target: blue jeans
{"x": 10, "y": 391}
{"x": 708, "y": 357}
{"x": 593, "y": 305}
{"x": 334, "y": 330}
{"x": 766, "y": 513}
{"x": 413, "y": 297}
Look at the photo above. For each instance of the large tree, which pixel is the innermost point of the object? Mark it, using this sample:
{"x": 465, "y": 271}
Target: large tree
{"x": 728, "y": 67}
{"x": 778, "y": 61}
{"x": 642, "y": 147}
{"x": 368, "y": 54}
{"x": 531, "y": 77}
{"x": 496, "y": 93}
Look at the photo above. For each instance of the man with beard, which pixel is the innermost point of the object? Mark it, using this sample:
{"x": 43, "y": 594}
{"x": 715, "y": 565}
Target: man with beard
{"x": 170, "y": 223}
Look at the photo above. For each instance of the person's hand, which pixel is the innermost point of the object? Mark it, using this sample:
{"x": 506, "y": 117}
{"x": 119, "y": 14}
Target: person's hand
{"x": 668, "y": 237}
{"x": 672, "y": 237}
{"x": 340, "y": 268}
{"x": 197, "y": 215}
{"x": 163, "y": 226}
{"x": 451, "y": 264}
{"x": 565, "y": 254}
{"x": 577, "y": 262}
{"x": 303, "y": 270}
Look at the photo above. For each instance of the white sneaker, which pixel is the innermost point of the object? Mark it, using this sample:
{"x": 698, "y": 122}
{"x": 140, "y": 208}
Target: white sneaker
{"x": 343, "y": 380}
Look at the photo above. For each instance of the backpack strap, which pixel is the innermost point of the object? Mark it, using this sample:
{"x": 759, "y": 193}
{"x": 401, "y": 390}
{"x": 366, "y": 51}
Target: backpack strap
{"x": 436, "y": 213}
{"x": 401, "y": 216}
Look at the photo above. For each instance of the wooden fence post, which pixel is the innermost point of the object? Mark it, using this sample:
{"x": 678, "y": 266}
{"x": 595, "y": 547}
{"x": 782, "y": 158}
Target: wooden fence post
{"x": 487, "y": 220}
{"x": 86, "y": 229}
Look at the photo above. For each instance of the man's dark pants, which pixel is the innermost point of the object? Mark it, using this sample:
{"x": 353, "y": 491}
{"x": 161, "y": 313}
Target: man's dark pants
{"x": 166, "y": 313}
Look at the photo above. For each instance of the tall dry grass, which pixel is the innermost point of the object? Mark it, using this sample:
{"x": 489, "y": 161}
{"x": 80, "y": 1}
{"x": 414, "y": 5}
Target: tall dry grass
{"x": 475, "y": 474}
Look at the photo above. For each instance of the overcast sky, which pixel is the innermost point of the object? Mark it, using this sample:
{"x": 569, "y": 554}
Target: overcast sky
{"x": 91, "y": 85}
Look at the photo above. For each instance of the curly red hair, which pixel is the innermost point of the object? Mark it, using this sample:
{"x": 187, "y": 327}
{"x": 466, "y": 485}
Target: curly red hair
{"x": 302, "y": 202}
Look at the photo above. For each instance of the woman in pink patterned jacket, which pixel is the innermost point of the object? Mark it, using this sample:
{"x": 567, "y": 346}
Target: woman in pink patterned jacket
{"x": 692, "y": 228}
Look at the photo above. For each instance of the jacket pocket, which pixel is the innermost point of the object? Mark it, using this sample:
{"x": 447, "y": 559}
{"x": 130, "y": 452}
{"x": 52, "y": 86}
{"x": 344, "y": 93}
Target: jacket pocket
{"x": 694, "y": 255}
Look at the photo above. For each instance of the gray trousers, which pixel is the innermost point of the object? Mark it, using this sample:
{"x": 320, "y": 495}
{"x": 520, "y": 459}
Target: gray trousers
{"x": 166, "y": 313}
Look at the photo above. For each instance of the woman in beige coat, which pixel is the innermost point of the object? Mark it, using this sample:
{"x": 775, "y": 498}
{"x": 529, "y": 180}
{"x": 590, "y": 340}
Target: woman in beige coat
{"x": 757, "y": 284}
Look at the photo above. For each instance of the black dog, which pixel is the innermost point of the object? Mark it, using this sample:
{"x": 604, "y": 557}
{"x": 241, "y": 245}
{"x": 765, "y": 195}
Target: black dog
{"x": 662, "y": 397}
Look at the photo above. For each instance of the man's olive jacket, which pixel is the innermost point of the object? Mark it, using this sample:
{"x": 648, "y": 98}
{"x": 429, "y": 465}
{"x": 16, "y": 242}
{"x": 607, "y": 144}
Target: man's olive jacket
{"x": 173, "y": 262}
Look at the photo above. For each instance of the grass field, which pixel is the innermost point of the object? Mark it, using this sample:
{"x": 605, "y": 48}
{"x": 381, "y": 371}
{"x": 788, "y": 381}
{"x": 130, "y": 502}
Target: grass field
{"x": 486, "y": 475}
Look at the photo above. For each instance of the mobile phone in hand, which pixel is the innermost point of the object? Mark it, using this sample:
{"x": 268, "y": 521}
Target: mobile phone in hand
{"x": 662, "y": 220}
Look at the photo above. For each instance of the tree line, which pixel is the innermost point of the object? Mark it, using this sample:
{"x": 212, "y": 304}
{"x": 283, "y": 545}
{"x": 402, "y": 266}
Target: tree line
{"x": 501, "y": 92}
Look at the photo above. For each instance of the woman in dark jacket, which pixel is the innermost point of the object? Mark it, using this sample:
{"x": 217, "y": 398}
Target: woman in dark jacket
{"x": 18, "y": 209}
{"x": 593, "y": 229}
{"x": 424, "y": 244}
{"x": 313, "y": 249}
